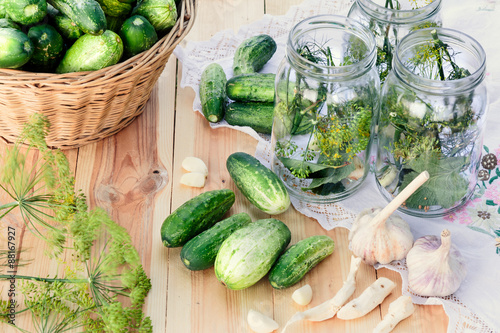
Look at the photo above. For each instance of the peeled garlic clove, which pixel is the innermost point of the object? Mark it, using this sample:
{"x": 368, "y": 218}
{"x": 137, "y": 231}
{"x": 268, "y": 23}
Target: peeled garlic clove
{"x": 359, "y": 169}
{"x": 399, "y": 309}
{"x": 303, "y": 295}
{"x": 194, "y": 164}
{"x": 435, "y": 266}
{"x": 260, "y": 323}
{"x": 193, "y": 179}
{"x": 377, "y": 240}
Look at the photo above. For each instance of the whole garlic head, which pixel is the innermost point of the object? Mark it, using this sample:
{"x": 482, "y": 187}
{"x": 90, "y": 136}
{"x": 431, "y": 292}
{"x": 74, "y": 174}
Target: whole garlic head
{"x": 375, "y": 239}
{"x": 435, "y": 266}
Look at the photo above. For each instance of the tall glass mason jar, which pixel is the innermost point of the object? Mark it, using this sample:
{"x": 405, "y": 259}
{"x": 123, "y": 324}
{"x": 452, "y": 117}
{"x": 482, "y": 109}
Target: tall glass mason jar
{"x": 391, "y": 20}
{"x": 326, "y": 101}
{"x": 433, "y": 108}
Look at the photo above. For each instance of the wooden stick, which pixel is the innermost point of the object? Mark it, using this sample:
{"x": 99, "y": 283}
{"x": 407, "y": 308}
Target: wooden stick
{"x": 401, "y": 197}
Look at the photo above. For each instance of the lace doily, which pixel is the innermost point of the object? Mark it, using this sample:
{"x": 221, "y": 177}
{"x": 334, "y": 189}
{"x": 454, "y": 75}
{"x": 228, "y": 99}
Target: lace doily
{"x": 474, "y": 307}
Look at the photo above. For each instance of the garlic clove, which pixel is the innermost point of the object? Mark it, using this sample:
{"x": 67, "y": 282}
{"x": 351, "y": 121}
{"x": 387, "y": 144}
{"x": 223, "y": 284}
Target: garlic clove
{"x": 381, "y": 241}
{"x": 399, "y": 309}
{"x": 195, "y": 164}
{"x": 303, "y": 295}
{"x": 435, "y": 266}
{"x": 260, "y": 323}
{"x": 193, "y": 179}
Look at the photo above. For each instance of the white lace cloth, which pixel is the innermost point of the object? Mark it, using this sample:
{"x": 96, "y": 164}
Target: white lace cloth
{"x": 475, "y": 307}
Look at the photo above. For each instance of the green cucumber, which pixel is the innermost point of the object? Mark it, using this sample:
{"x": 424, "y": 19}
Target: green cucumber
{"x": 194, "y": 216}
{"x": 115, "y": 8}
{"x": 63, "y": 24}
{"x": 299, "y": 259}
{"x": 248, "y": 254}
{"x": 86, "y": 14}
{"x": 257, "y": 183}
{"x": 162, "y": 14}
{"x": 90, "y": 53}
{"x": 254, "y": 87}
{"x": 8, "y": 23}
{"x": 48, "y": 47}
{"x": 26, "y": 11}
{"x": 138, "y": 35}
{"x": 213, "y": 92}
{"x": 258, "y": 116}
{"x": 16, "y": 48}
{"x": 114, "y": 24}
{"x": 200, "y": 252}
{"x": 252, "y": 54}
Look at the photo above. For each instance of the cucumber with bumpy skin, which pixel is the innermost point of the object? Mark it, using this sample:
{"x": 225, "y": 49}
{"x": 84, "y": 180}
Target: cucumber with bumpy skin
{"x": 258, "y": 116}
{"x": 86, "y": 14}
{"x": 249, "y": 253}
{"x": 90, "y": 53}
{"x": 254, "y": 87}
{"x": 213, "y": 92}
{"x": 137, "y": 35}
{"x": 162, "y": 14}
{"x": 194, "y": 216}
{"x": 48, "y": 47}
{"x": 26, "y": 11}
{"x": 200, "y": 252}
{"x": 253, "y": 53}
{"x": 299, "y": 259}
{"x": 16, "y": 48}
{"x": 258, "y": 184}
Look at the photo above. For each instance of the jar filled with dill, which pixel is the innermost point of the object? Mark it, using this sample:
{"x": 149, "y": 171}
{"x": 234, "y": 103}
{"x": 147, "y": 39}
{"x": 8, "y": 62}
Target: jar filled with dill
{"x": 391, "y": 20}
{"x": 433, "y": 108}
{"x": 327, "y": 90}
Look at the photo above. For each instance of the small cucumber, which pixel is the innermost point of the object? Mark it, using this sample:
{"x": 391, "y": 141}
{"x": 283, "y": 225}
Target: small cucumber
{"x": 194, "y": 216}
{"x": 63, "y": 24}
{"x": 162, "y": 14}
{"x": 248, "y": 254}
{"x": 299, "y": 259}
{"x": 26, "y": 12}
{"x": 213, "y": 93}
{"x": 90, "y": 53}
{"x": 16, "y": 48}
{"x": 137, "y": 35}
{"x": 86, "y": 14}
{"x": 254, "y": 87}
{"x": 257, "y": 183}
{"x": 258, "y": 116}
{"x": 49, "y": 47}
{"x": 252, "y": 54}
{"x": 200, "y": 252}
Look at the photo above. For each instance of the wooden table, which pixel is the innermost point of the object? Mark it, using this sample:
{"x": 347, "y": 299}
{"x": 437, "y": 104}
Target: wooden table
{"x": 135, "y": 175}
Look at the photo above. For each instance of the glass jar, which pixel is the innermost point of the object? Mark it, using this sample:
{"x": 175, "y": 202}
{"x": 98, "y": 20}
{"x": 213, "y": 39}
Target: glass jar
{"x": 391, "y": 20}
{"x": 433, "y": 108}
{"x": 327, "y": 90}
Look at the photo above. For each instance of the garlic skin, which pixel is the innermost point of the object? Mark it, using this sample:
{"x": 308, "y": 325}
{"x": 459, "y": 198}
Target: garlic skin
{"x": 435, "y": 266}
{"x": 376, "y": 240}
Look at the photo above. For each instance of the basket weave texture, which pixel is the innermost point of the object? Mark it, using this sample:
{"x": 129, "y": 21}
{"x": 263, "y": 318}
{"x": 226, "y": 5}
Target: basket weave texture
{"x": 84, "y": 107}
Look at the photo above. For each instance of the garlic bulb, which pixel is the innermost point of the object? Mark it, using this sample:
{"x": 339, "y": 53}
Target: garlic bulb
{"x": 375, "y": 239}
{"x": 376, "y": 236}
{"x": 435, "y": 266}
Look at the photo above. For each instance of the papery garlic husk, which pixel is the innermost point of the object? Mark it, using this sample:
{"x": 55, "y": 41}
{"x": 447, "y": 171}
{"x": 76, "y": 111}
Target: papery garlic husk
{"x": 376, "y": 240}
{"x": 435, "y": 266}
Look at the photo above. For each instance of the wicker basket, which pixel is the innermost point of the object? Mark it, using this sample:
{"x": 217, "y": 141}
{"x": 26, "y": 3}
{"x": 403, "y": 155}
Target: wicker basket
{"x": 84, "y": 107}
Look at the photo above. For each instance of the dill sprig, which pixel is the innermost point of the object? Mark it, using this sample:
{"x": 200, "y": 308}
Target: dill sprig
{"x": 92, "y": 293}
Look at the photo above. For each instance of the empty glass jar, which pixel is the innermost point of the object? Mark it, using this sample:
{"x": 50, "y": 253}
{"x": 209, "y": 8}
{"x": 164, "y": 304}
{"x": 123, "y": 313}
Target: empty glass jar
{"x": 433, "y": 108}
{"x": 327, "y": 90}
{"x": 391, "y": 20}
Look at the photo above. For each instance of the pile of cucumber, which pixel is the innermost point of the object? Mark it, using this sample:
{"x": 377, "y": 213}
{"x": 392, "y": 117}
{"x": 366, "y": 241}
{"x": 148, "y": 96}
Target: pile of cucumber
{"x": 247, "y": 98}
{"x": 65, "y": 36}
{"x": 242, "y": 252}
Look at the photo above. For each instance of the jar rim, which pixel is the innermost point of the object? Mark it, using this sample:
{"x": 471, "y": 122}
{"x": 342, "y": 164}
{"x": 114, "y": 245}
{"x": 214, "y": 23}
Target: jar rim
{"x": 438, "y": 86}
{"x": 337, "y": 21}
{"x": 397, "y": 16}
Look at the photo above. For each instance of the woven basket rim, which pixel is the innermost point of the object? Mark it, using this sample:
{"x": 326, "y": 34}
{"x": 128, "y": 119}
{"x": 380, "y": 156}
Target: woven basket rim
{"x": 166, "y": 44}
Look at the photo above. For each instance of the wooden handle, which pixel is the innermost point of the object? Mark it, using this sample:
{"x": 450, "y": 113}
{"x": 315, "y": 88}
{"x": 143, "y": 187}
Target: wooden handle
{"x": 402, "y": 196}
